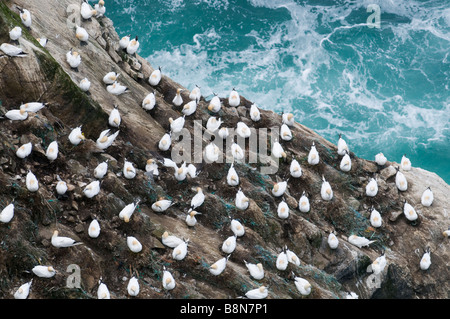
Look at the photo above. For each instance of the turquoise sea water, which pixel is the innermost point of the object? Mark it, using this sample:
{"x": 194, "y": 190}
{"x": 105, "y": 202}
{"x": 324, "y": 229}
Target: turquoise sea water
{"x": 385, "y": 89}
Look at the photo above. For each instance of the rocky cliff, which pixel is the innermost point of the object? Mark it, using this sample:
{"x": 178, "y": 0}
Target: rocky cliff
{"x": 44, "y": 75}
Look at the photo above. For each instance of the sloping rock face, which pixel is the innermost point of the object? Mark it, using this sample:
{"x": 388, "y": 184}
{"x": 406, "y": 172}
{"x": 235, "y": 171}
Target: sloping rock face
{"x": 44, "y": 75}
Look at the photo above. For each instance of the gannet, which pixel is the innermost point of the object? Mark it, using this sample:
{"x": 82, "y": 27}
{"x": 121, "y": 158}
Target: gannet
{"x": 446, "y": 233}
{"x": 15, "y": 33}
{"x": 25, "y": 16}
{"x": 219, "y": 266}
{"x": 195, "y": 94}
{"x": 288, "y": 119}
{"x": 255, "y": 114}
{"x": 129, "y": 172}
{"x": 213, "y": 124}
{"x": 229, "y": 244}
{"x": 52, "y": 151}
{"x": 61, "y": 186}
{"x": 32, "y": 182}
{"x": 232, "y": 176}
{"x": 168, "y": 281}
{"x": 33, "y": 107}
{"x": 351, "y": 295}
{"x": 237, "y": 152}
{"x": 285, "y": 133}
{"x": 342, "y": 146}
{"x": 401, "y": 181}
{"x": 24, "y": 150}
{"x": 155, "y": 77}
{"x": 84, "y": 84}
{"x": 100, "y": 8}
{"x": 73, "y": 58}
{"x": 234, "y": 99}
{"x": 405, "y": 163}
{"x": 127, "y": 211}
{"x": 103, "y": 291}
{"x": 379, "y": 264}
{"x": 427, "y": 197}
{"x": 190, "y": 107}
{"x": 375, "y": 218}
{"x": 258, "y": 293}
{"x": 198, "y": 198}
{"x": 133, "y": 287}
{"x": 303, "y": 285}
{"x": 162, "y": 205}
{"x": 372, "y": 188}
{"x": 92, "y": 189}
{"x": 7, "y": 213}
{"x": 223, "y": 132}
{"x": 313, "y": 155}
{"x": 101, "y": 169}
{"x": 42, "y": 41}
{"x": 86, "y": 10}
{"x": 12, "y": 51}
{"x": 117, "y": 88}
{"x": 181, "y": 172}
{"x": 23, "y": 291}
{"x": 76, "y": 136}
{"x": 425, "y": 262}
{"x": 192, "y": 171}
{"x": 359, "y": 241}
{"x": 177, "y": 125}
{"x": 106, "y": 139}
{"x": 110, "y": 77}
{"x": 170, "y": 240}
{"x": 282, "y": 260}
{"x": 133, "y": 244}
{"x": 17, "y": 115}
{"x": 165, "y": 142}
{"x": 283, "y": 210}
{"x": 81, "y": 34}
{"x": 215, "y": 104}
{"x": 295, "y": 169}
{"x": 94, "y": 229}
{"x": 212, "y": 153}
{"x": 180, "y": 251}
{"x": 178, "y": 100}
{"x": 133, "y": 46}
{"x": 303, "y": 203}
{"x": 346, "y": 162}
{"x": 191, "y": 220}
{"x": 124, "y": 41}
{"x": 333, "y": 241}
{"x": 278, "y": 151}
{"x": 243, "y": 130}
{"x": 241, "y": 201}
{"x": 256, "y": 270}
{"x": 152, "y": 167}
{"x": 380, "y": 159}
{"x": 149, "y": 101}
{"x": 63, "y": 242}
{"x": 237, "y": 228}
{"x": 44, "y": 271}
{"x": 292, "y": 257}
{"x": 279, "y": 188}
{"x": 326, "y": 192}
{"x": 409, "y": 212}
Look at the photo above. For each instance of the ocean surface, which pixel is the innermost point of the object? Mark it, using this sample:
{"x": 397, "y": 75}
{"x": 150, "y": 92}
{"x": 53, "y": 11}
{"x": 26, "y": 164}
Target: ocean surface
{"x": 386, "y": 88}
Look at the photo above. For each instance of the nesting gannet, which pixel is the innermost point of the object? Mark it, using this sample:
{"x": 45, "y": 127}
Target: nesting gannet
{"x": 181, "y": 172}
{"x": 405, "y": 163}
{"x": 288, "y": 119}
{"x": 359, "y": 241}
{"x": 380, "y": 159}
{"x": 351, "y": 295}
{"x": 73, "y": 58}
{"x": 168, "y": 281}
{"x": 237, "y": 152}
{"x": 213, "y": 124}
{"x": 237, "y": 228}
{"x": 326, "y": 192}
{"x": 192, "y": 171}
{"x": 127, "y": 211}
{"x": 106, "y": 139}
{"x": 7, "y": 213}
{"x": 375, "y": 218}
{"x": 303, "y": 203}
{"x": 165, "y": 142}
{"x": 155, "y": 77}
{"x": 256, "y": 270}
{"x": 372, "y": 188}
{"x": 190, "y": 107}
{"x": 25, "y": 16}
{"x": 44, "y": 271}
{"x": 76, "y": 136}
{"x": 195, "y": 94}
{"x": 42, "y": 41}
{"x": 295, "y": 169}
{"x": 241, "y": 200}
{"x": 278, "y": 151}
{"x": 379, "y": 264}
{"x": 234, "y": 99}
{"x": 86, "y": 10}
{"x": 258, "y": 293}
{"x": 33, "y": 107}
{"x": 283, "y": 210}
{"x": 129, "y": 172}
{"x": 255, "y": 114}
{"x": 92, "y": 189}
{"x": 212, "y": 153}
{"x": 84, "y": 85}
{"x": 342, "y": 146}
{"x": 116, "y": 88}
{"x": 94, "y": 229}
{"x": 333, "y": 241}
{"x": 149, "y": 101}
{"x": 12, "y": 51}
{"x": 198, "y": 199}
{"x": 63, "y": 242}
{"x": 133, "y": 244}
{"x": 17, "y": 115}
{"x": 191, "y": 220}
{"x": 223, "y": 132}
{"x": 171, "y": 241}
{"x": 346, "y": 162}
{"x": 215, "y": 104}
{"x": 133, "y": 287}
{"x": 285, "y": 133}
{"x": 401, "y": 181}
{"x": 124, "y": 41}
{"x": 100, "y": 8}
{"x": 52, "y": 151}
{"x": 427, "y": 197}
{"x": 279, "y": 188}
{"x": 409, "y": 212}
{"x": 103, "y": 291}
{"x": 32, "y": 182}
{"x": 313, "y": 155}
{"x": 81, "y": 34}
{"x": 219, "y": 266}
{"x": 177, "y": 125}
{"x": 101, "y": 169}
{"x": 229, "y": 244}
{"x": 446, "y": 233}
{"x": 178, "y": 100}
{"x": 180, "y": 251}
{"x": 133, "y": 46}
{"x": 243, "y": 130}
{"x": 110, "y": 77}
{"x": 292, "y": 257}
{"x": 232, "y": 176}
{"x": 303, "y": 286}
{"x": 24, "y": 150}
{"x": 425, "y": 262}
{"x": 61, "y": 186}
{"x": 15, "y": 33}
{"x": 23, "y": 291}
{"x": 152, "y": 167}
{"x": 282, "y": 260}
{"x": 162, "y": 205}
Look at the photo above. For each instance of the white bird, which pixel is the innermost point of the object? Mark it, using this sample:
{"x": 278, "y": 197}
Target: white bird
{"x": 81, "y": 34}
{"x": 152, "y": 167}
{"x": 110, "y": 77}
{"x": 124, "y": 41}
{"x": 223, "y": 132}
{"x": 375, "y": 218}
{"x": 380, "y": 159}
{"x": 237, "y": 228}
{"x": 333, "y": 241}
{"x": 178, "y": 100}
{"x": 446, "y": 233}
{"x": 351, "y": 295}
{"x": 256, "y": 270}
{"x": 372, "y": 188}
{"x": 258, "y": 293}
{"x": 277, "y": 150}
{"x": 133, "y": 244}
{"x": 177, "y": 125}
{"x": 7, "y": 213}
{"x": 133, "y": 46}
{"x": 162, "y": 205}
{"x": 114, "y": 118}
{"x": 32, "y": 182}
{"x": 303, "y": 286}
{"x": 94, "y": 229}
{"x": 303, "y": 203}
{"x": 103, "y": 291}
{"x": 410, "y": 212}
{"x": 379, "y": 264}
{"x": 255, "y": 114}
{"x": 33, "y": 107}
{"x": 63, "y": 242}
{"x": 283, "y": 210}
{"x": 84, "y": 85}
{"x": 198, "y": 198}
{"x": 237, "y": 152}
{"x": 342, "y": 146}
{"x": 192, "y": 171}
{"x": 165, "y": 142}
{"x": 101, "y": 170}
{"x": 229, "y": 244}
{"x": 292, "y": 257}
{"x": 155, "y": 77}
{"x": 215, "y": 104}
{"x": 213, "y": 124}
{"x": 12, "y": 50}
{"x": 295, "y": 169}
{"x": 42, "y": 41}
{"x": 212, "y": 153}
{"x": 129, "y": 172}
{"x": 282, "y": 260}
{"x": 359, "y": 241}
{"x": 190, "y": 107}
{"x": 73, "y": 58}
{"x": 76, "y": 136}
{"x": 24, "y": 150}
{"x": 23, "y": 291}
{"x": 425, "y": 262}
{"x": 232, "y": 176}
{"x": 241, "y": 201}
{"x": 234, "y": 99}
{"x": 44, "y": 271}
{"x": 116, "y": 88}
{"x": 180, "y": 251}
{"x": 195, "y": 93}
{"x": 346, "y": 163}
{"x": 106, "y": 139}
{"x": 191, "y": 220}
{"x": 61, "y": 186}
{"x": 86, "y": 10}
{"x": 279, "y": 188}
{"x": 181, "y": 172}
{"x": 326, "y": 192}
{"x": 285, "y": 133}
{"x": 427, "y": 197}
{"x": 25, "y": 16}
{"x": 243, "y": 130}
{"x": 219, "y": 266}
{"x": 149, "y": 102}
{"x": 313, "y": 155}
{"x": 288, "y": 119}
{"x": 168, "y": 281}
{"x": 400, "y": 181}
{"x": 100, "y": 8}
{"x": 17, "y": 115}
{"x": 133, "y": 287}
{"x": 92, "y": 189}
{"x": 171, "y": 241}
{"x": 15, "y": 33}
{"x": 405, "y": 163}
{"x": 127, "y": 211}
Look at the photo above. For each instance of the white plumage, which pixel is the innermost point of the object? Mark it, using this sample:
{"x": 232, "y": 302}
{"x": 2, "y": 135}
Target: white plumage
{"x": 375, "y": 218}
{"x": 241, "y": 201}
{"x": 129, "y": 172}
{"x": 133, "y": 287}
{"x": 258, "y": 293}
{"x": 425, "y": 261}
{"x": 303, "y": 286}
{"x": 149, "y": 102}
{"x": 313, "y": 155}
{"x": 133, "y": 46}
{"x": 213, "y": 124}
{"x": 333, "y": 241}
{"x": 288, "y": 119}
{"x": 103, "y": 291}
{"x": 283, "y": 210}
{"x": 106, "y": 139}
{"x": 346, "y": 163}
{"x": 232, "y": 176}
{"x": 16, "y": 115}
{"x": 133, "y": 244}
{"x": 237, "y": 152}
{"x": 92, "y": 189}
{"x": 303, "y": 203}
{"x": 427, "y": 197}
{"x": 191, "y": 220}
{"x": 279, "y": 188}
{"x": 190, "y": 107}
{"x": 256, "y": 270}
{"x": 127, "y": 211}
{"x": 81, "y": 34}
{"x": 379, "y": 264}
{"x": 177, "y": 124}
{"x": 243, "y": 130}
{"x": 25, "y": 16}
{"x": 165, "y": 142}
{"x": 155, "y": 77}
{"x": 124, "y": 41}
{"x": 195, "y": 94}
{"x": 219, "y": 266}
{"x": 295, "y": 169}
{"x": 114, "y": 118}
{"x": 237, "y": 228}
{"x": 178, "y": 100}
{"x": 234, "y": 99}
{"x": 94, "y": 229}
{"x": 215, "y": 104}
{"x": 162, "y": 205}
{"x": 342, "y": 146}
{"x": 61, "y": 187}
{"x": 278, "y": 151}
{"x": 52, "y": 151}
{"x": 15, "y": 33}
{"x": 84, "y": 85}
{"x": 401, "y": 181}
{"x": 326, "y": 192}
{"x": 170, "y": 240}
{"x": 7, "y": 213}
{"x": 116, "y": 88}
{"x": 23, "y": 291}
{"x": 359, "y": 241}
{"x": 168, "y": 281}
{"x": 409, "y": 212}
{"x": 282, "y": 260}
{"x": 73, "y": 58}
{"x": 76, "y": 136}
{"x": 12, "y": 50}
{"x": 255, "y": 114}
{"x": 32, "y": 182}
{"x": 101, "y": 170}
{"x": 24, "y": 150}
{"x": 198, "y": 198}
{"x": 44, "y": 271}
{"x": 229, "y": 244}
{"x": 380, "y": 159}
{"x": 405, "y": 163}
{"x": 285, "y": 133}
{"x": 63, "y": 242}
{"x": 372, "y": 188}
{"x": 180, "y": 251}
